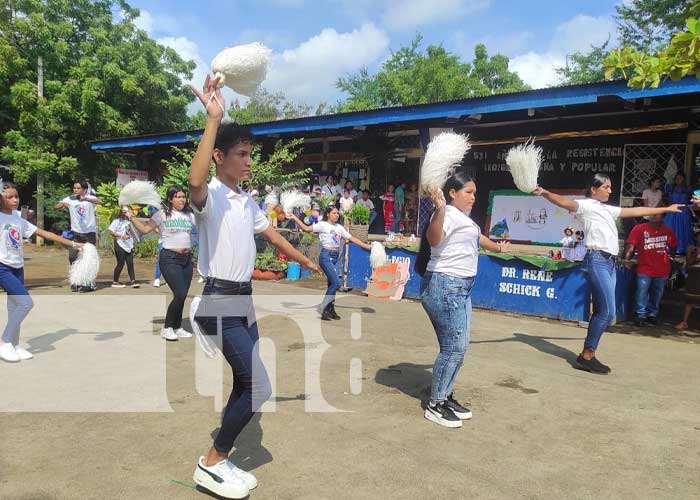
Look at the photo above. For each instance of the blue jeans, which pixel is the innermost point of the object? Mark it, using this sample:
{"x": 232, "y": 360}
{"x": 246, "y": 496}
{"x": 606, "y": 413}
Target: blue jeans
{"x": 251, "y": 385}
{"x": 156, "y": 276}
{"x": 648, "y": 295}
{"x": 398, "y": 215}
{"x": 602, "y": 277}
{"x": 447, "y": 300}
{"x": 372, "y": 216}
{"x": 328, "y": 260}
{"x": 19, "y": 303}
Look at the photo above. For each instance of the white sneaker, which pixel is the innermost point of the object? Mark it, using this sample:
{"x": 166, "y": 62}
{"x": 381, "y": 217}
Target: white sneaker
{"x": 220, "y": 480}
{"x": 156, "y": 282}
{"x": 168, "y": 334}
{"x": 200, "y": 280}
{"x": 182, "y": 333}
{"x": 8, "y": 353}
{"x": 250, "y": 481}
{"x": 23, "y": 353}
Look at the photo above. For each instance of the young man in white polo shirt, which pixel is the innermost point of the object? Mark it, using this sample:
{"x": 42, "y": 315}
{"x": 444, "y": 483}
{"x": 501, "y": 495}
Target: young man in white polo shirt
{"x": 228, "y": 218}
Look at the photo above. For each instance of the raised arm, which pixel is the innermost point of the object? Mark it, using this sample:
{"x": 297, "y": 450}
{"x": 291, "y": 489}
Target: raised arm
{"x": 92, "y": 199}
{"x": 281, "y": 244}
{"x": 141, "y": 227}
{"x": 214, "y": 104}
{"x": 642, "y": 211}
{"x": 435, "y": 233}
{"x": 302, "y": 226}
{"x": 557, "y": 199}
{"x": 48, "y": 235}
{"x": 60, "y": 205}
{"x": 360, "y": 243}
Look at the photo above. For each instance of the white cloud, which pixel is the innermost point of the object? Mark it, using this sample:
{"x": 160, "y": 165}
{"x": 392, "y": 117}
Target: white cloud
{"x": 309, "y": 71}
{"x": 408, "y": 14}
{"x": 537, "y": 69}
{"x": 144, "y": 21}
{"x": 579, "y": 33}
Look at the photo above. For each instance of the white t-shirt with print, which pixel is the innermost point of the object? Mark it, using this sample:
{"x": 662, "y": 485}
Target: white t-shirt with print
{"x": 346, "y": 204}
{"x": 599, "y": 225}
{"x": 13, "y": 229}
{"x": 175, "y": 231}
{"x": 458, "y": 252}
{"x": 82, "y": 215}
{"x": 122, "y": 227}
{"x": 330, "y": 234}
{"x": 368, "y": 203}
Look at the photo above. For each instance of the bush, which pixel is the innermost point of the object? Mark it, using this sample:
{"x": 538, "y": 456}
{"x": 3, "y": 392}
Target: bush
{"x": 147, "y": 248}
{"x": 268, "y": 261}
{"x": 359, "y": 214}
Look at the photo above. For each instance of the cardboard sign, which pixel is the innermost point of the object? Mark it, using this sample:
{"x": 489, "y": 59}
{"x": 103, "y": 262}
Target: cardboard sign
{"x": 126, "y": 175}
{"x": 388, "y": 281}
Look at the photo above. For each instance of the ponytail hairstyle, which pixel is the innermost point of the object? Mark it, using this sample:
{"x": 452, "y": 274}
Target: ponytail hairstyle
{"x": 595, "y": 182}
{"x": 456, "y": 181}
{"x": 169, "y": 195}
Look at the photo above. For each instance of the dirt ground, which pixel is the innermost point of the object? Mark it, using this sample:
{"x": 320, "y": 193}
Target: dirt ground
{"x": 541, "y": 430}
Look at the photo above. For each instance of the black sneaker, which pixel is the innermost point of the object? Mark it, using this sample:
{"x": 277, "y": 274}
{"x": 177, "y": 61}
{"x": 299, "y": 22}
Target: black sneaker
{"x": 462, "y": 412}
{"x": 590, "y": 365}
{"x": 603, "y": 368}
{"x": 652, "y": 320}
{"x": 639, "y": 321}
{"x": 441, "y": 414}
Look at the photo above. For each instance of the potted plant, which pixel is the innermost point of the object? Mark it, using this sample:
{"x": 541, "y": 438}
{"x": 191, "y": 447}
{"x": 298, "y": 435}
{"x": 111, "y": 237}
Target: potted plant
{"x": 268, "y": 266}
{"x": 359, "y": 222}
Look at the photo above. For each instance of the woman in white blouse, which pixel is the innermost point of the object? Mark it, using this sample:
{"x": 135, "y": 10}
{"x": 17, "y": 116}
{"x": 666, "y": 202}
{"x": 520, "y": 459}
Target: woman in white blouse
{"x": 331, "y": 235}
{"x": 174, "y": 225}
{"x": 452, "y": 242}
{"x": 598, "y": 220}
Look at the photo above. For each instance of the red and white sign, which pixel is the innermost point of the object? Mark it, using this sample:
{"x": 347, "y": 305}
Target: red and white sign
{"x": 126, "y": 175}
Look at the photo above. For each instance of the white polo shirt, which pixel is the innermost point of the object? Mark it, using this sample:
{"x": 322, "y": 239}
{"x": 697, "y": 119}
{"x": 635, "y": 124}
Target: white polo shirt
{"x": 599, "y": 225}
{"x": 227, "y": 225}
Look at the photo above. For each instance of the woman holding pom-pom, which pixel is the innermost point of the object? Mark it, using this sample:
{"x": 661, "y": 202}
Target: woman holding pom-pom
{"x": 331, "y": 234}
{"x": 451, "y": 244}
{"x": 602, "y": 245}
{"x": 14, "y": 230}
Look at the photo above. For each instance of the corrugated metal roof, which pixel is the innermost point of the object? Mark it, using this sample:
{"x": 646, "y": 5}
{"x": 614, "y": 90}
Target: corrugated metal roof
{"x": 540, "y": 98}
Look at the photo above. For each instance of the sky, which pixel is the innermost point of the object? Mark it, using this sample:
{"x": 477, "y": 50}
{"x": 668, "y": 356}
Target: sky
{"x": 316, "y": 41}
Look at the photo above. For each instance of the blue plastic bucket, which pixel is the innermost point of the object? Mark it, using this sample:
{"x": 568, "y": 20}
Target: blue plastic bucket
{"x": 293, "y": 270}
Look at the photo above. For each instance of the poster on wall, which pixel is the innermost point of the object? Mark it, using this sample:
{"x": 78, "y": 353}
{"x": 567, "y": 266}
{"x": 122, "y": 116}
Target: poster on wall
{"x": 126, "y": 175}
{"x": 521, "y": 217}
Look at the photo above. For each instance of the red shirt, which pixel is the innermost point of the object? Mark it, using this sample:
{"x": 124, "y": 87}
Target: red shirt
{"x": 652, "y": 245}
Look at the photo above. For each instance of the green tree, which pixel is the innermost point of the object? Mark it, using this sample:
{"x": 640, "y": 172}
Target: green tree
{"x": 677, "y": 61}
{"x": 103, "y": 77}
{"x": 647, "y": 25}
{"x": 414, "y": 76}
{"x": 265, "y": 106}
{"x": 584, "y": 67}
{"x": 275, "y": 169}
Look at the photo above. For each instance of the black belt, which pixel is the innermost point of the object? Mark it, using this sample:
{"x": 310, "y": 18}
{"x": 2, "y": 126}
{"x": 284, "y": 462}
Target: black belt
{"x": 216, "y": 286}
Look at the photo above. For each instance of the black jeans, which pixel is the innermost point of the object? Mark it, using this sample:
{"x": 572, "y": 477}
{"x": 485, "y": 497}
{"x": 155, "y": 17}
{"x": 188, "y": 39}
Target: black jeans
{"x": 123, "y": 256}
{"x": 239, "y": 345}
{"x": 176, "y": 268}
{"x": 81, "y": 238}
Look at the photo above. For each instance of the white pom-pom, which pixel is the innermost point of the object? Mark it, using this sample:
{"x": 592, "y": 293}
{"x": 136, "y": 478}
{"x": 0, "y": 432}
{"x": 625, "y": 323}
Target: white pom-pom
{"x": 272, "y": 200}
{"x": 524, "y": 163}
{"x": 84, "y": 270}
{"x": 243, "y": 67}
{"x": 293, "y": 198}
{"x": 445, "y": 153}
{"x": 140, "y": 192}
{"x": 377, "y": 255}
